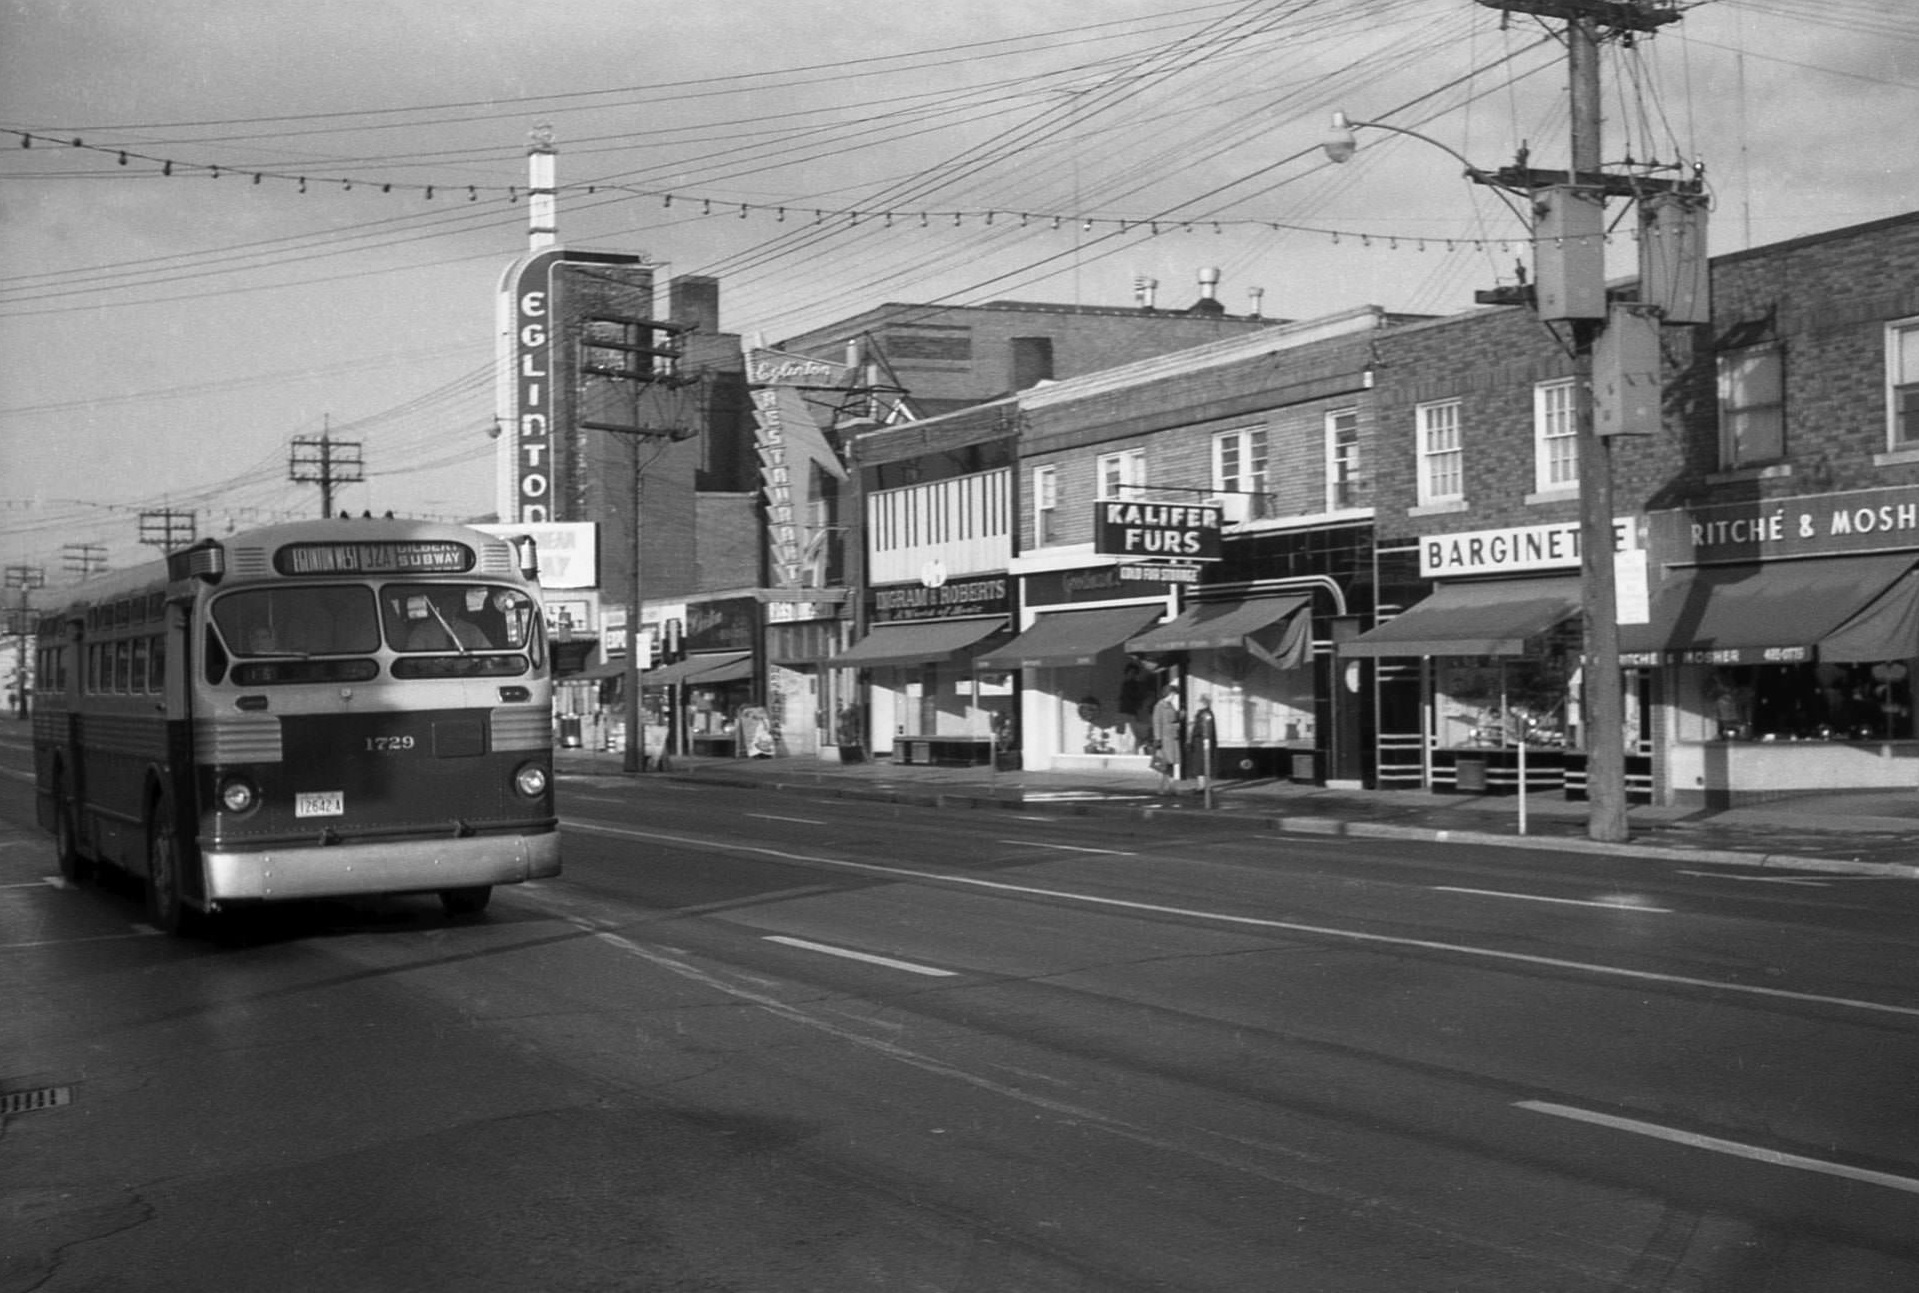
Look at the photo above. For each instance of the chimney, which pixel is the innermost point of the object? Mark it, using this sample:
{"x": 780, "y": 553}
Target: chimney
{"x": 542, "y": 215}
{"x": 1258, "y": 294}
{"x": 695, "y": 299}
{"x": 1143, "y": 289}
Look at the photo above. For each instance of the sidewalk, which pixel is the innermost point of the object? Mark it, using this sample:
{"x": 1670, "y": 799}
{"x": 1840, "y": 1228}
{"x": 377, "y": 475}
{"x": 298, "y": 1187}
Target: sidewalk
{"x": 1860, "y": 833}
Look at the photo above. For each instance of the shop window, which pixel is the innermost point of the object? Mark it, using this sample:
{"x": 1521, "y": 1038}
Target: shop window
{"x": 1555, "y": 438}
{"x": 1902, "y": 383}
{"x": 1442, "y": 468}
{"x": 1799, "y": 702}
{"x": 1122, "y": 474}
{"x": 1500, "y": 701}
{"x": 1752, "y": 412}
{"x": 1045, "y": 506}
{"x": 1344, "y": 485}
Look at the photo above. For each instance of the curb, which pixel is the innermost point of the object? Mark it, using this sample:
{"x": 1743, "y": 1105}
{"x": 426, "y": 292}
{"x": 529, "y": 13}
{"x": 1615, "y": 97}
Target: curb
{"x": 1305, "y": 825}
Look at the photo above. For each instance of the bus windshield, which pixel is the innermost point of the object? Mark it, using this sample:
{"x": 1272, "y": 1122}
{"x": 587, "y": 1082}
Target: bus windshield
{"x": 461, "y": 618}
{"x": 305, "y": 620}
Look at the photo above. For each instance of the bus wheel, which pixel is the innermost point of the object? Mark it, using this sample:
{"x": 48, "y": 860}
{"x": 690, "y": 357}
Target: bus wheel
{"x": 166, "y": 905}
{"x": 66, "y": 847}
{"x": 470, "y": 901}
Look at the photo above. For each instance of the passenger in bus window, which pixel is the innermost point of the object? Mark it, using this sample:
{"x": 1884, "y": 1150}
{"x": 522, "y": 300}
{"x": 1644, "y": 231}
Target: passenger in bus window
{"x": 432, "y": 626}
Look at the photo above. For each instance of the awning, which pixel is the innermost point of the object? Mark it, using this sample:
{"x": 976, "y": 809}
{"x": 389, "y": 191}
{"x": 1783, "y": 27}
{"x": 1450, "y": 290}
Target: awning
{"x": 600, "y": 669}
{"x": 1254, "y": 625}
{"x": 1473, "y": 619}
{"x": 1846, "y": 609}
{"x": 1065, "y": 638}
{"x": 697, "y": 666}
{"x": 731, "y": 670}
{"x": 917, "y": 643}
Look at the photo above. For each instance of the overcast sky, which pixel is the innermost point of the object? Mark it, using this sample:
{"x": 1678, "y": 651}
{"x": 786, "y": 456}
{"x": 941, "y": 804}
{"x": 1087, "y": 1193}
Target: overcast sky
{"x": 169, "y": 323}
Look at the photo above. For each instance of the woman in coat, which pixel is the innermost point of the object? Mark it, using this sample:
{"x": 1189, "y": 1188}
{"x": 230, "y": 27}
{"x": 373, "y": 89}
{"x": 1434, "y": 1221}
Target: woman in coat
{"x": 1169, "y": 737}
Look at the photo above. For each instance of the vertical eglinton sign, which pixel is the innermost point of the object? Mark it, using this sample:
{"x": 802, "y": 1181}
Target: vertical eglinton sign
{"x": 532, "y": 400}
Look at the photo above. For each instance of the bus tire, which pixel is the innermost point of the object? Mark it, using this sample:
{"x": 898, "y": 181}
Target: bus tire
{"x": 468, "y": 901}
{"x": 166, "y": 900}
{"x": 66, "y": 845}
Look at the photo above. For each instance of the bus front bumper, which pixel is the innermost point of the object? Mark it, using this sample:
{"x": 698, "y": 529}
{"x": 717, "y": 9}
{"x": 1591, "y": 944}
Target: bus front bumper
{"x": 394, "y": 866}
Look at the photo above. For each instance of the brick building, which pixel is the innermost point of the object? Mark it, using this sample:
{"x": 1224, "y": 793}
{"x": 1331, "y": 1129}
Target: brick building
{"x": 1774, "y": 519}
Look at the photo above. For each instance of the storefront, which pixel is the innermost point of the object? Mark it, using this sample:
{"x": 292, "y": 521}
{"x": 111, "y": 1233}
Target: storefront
{"x": 1249, "y": 660}
{"x": 707, "y": 702}
{"x": 1479, "y": 680}
{"x": 803, "y": 693}
{"x": 924, "y": 702}
{"x": 1783, "y": 637}
{"x": 1084, "y": 701}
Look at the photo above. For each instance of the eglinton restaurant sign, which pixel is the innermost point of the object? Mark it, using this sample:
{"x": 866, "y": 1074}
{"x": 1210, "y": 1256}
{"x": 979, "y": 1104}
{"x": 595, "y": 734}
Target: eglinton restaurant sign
{"x": 1865, "y": 520}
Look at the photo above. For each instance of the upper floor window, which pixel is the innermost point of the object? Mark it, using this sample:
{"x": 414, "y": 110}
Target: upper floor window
{"x": 1045, "y": 506}
{"x": 1902, "y": 383}
{"x": 1344, "y": 487}
{"x": 1752, "y": 408}
{"x": 1442, "y": 464}
{"x": 1555, "y": 438}
{"x": 1239, "y": 473}
{"x": 1121, "y": 474}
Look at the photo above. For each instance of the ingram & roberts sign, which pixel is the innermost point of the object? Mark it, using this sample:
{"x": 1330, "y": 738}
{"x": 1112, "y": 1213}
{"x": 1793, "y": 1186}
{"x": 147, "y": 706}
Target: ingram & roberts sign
{"x": 1174, "y": 530}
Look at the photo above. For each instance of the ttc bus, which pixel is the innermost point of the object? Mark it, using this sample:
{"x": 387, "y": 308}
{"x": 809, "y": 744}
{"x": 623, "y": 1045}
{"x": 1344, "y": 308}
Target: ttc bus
{"x": 312, "y": 709}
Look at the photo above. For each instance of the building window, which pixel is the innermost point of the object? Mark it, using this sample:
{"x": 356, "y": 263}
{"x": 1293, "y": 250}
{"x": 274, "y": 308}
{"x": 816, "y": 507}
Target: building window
{"x": 1045, "y": 506}
{"x": 1555, "y": 438}
{"x": 1752, "y": 412}
{"x": 1442, "y": 473}
{"x": 1122, "y": 474}
{"x": 1239, "y": 474}
{"x": 1902, "y": 383}
{"x": 1344, "y": 487}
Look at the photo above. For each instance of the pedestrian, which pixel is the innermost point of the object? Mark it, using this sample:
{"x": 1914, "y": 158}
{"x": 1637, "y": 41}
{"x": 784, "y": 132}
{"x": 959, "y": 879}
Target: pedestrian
{"x": 1168, "y": 737}
{"x": 1204, "y": 739}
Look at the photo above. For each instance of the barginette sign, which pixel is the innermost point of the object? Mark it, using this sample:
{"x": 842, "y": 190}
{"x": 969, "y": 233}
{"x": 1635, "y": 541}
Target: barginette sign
{"x": 1177, "y": 531}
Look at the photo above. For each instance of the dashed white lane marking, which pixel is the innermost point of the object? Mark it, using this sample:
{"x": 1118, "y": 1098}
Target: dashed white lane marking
{"x": 1737, "y": 1149}
{"x": 1613, "y": 904}
{"x": 869, "y": 957}
{"x": 1068, "y": 848}
{"x": 773, "y": 817}
{"x": 138, "y": 931}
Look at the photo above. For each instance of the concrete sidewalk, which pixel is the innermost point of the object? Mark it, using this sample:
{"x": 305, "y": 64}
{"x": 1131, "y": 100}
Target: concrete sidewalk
{"x": 1868, "y": 833}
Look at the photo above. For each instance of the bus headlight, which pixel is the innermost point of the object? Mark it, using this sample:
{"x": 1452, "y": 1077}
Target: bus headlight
{"x": 530, "y": 780}
{"x": 237, "y": 795}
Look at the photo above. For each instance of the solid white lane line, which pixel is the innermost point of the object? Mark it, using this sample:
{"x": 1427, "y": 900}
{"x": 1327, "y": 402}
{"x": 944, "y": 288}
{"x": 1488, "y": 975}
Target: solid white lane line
{"x": 1068, "y": 848}
{"x": 1761, "y": 879}
{"x": 1613, "y": 904}
{"x": 869, "y": 957}
{"x": 1735, "y": 1148}
{"x": 1257, "y": 922}
{"x": 772, "y": 817}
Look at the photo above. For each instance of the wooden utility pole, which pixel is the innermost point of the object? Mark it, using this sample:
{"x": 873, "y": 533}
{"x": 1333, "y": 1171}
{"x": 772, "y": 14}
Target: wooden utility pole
{"x": 1574, "y": 292}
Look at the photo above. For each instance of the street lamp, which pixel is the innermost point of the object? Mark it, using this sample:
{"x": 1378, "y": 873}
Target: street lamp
{"x": 1605, "y": 718}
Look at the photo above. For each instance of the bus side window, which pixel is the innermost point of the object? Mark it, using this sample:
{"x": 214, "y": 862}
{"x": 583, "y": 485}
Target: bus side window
{"x": 157, "y": 665}
{"x": 142, "y": 653}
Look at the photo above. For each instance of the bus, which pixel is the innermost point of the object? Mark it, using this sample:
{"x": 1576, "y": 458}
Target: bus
{"x": 311, "y": 709}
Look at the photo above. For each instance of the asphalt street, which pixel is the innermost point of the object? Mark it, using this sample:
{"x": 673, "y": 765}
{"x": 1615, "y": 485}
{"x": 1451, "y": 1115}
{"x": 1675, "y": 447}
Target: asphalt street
{"x": 772, "y": 1041}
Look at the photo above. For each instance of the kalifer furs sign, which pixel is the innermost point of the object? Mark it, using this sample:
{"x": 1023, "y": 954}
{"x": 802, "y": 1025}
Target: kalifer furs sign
{"x": 1187, "y": 532}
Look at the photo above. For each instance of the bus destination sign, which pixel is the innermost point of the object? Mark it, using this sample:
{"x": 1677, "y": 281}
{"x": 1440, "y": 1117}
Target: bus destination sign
{"x": 425, "y": 557}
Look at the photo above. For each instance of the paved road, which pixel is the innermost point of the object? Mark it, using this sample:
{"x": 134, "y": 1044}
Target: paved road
{"x": 751, "y": 1041}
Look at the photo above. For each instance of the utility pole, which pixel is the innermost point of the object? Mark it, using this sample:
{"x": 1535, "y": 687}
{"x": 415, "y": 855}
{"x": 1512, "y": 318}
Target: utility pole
{"x": 167, "y": 528}
{"x": 26, "y": 579}
{"x": 321, "y": 460}
{"x": 83, "y": 560}
{"x": 621, "y": 349}
{"x": 1570, "y": 288}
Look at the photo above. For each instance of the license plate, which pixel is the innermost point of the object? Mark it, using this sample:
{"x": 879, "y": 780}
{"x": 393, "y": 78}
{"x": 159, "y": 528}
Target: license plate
{"x": 319, "y": 803}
